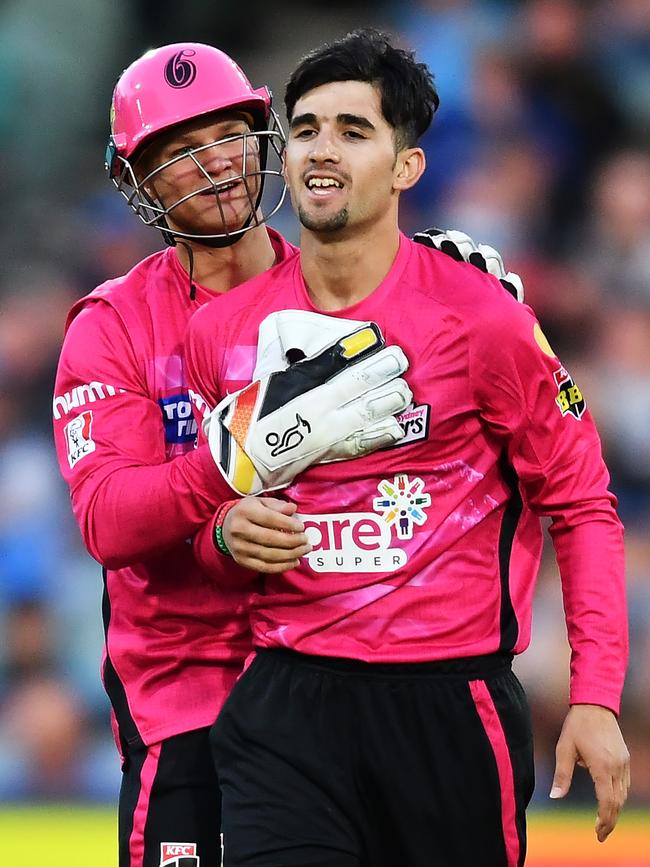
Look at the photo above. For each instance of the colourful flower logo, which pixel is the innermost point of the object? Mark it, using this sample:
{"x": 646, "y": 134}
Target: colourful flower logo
{"x": 402, "y": 504}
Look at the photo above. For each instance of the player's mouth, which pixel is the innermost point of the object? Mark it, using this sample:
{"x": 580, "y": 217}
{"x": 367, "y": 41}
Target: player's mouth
{"x": 224, "y": 189}
{"x": 323, "y": 186}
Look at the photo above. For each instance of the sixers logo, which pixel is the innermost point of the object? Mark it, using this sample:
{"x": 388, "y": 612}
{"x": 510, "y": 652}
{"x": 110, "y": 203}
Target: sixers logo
{"x": 178, "y": 855}
{"x": 414, "y": 421}
{"x": 179, "y": 71}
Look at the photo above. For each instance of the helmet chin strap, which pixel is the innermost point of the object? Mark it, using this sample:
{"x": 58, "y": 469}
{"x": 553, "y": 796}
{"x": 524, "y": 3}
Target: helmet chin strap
{"x": 172, "y": 242}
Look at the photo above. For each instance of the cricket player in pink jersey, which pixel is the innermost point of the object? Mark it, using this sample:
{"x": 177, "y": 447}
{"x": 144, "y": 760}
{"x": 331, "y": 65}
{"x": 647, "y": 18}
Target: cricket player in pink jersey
{"x": 192, "y": 144}
{"x": 379, "y": 722}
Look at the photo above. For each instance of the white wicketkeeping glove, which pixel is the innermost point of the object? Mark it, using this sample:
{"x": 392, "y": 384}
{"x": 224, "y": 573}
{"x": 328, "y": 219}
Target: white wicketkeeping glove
{"x": 462, "y": 248}
{"x": 339, "y": 403}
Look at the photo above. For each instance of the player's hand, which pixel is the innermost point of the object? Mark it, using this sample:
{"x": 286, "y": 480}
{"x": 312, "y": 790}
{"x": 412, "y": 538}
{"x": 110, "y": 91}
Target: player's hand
{"x": 336, "y": 405}
{"x": 591, "y": 738}
{"x": 462, "y": 248}
{"x": 262, "y": 534}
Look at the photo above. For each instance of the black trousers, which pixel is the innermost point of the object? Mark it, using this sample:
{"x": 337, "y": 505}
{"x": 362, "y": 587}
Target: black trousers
{"x": 170, "y": 805}
{"x": 340, "y": 763}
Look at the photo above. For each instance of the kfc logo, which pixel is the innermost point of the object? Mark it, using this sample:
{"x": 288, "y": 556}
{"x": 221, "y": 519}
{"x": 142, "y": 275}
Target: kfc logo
{"x": 78, "y": 437}
{"x": 178, "y": 855}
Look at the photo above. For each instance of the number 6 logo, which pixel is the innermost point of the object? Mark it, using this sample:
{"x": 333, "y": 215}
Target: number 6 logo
{"x": 180, "y": 72}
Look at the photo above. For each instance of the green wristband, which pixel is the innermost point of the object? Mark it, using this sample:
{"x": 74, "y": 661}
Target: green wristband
{"x": 221, "y": 544}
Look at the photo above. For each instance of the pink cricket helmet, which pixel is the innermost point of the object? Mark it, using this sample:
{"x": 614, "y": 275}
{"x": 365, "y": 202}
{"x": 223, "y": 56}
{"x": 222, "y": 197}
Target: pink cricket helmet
{"x": 169, "y": 86}
{"x": 175, "y": 83}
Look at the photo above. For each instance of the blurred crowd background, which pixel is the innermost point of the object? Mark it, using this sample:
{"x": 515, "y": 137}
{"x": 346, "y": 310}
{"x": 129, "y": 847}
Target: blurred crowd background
{"x": 541, "y": 148}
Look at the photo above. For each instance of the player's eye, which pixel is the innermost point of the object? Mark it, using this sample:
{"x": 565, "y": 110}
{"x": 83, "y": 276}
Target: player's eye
{"x": 233, "y": 130}
{"x": 180, "y": 151}
{"x": 305, "y": 132}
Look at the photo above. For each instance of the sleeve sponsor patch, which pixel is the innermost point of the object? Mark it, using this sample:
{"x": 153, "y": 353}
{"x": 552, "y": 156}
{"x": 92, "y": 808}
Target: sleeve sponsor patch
{"x": 180, "y": 426}
{"x": 78, "y": 437}
{"x": 569, "y": 398}
{"x": 80, "y": 395}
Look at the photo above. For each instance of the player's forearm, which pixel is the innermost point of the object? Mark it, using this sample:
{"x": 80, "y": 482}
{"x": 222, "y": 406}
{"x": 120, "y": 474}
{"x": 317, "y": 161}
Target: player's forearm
{"x": 134, "y": 512}
{"x": 591, "y": 560}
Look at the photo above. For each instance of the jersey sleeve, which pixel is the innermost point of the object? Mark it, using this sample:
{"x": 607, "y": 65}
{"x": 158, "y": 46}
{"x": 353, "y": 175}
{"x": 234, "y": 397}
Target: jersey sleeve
{"x": 128, "y": 501}
{"x": 537, "y": 412}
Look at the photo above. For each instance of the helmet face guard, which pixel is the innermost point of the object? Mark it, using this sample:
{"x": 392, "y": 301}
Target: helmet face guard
{"x": 168, "y": 87}
{"x": 259, "y": 159}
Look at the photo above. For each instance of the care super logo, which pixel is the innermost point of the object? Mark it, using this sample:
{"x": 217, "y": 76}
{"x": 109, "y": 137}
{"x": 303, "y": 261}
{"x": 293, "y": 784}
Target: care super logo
{"x": 364, "y": 541}
{"x": 178, "y": 855}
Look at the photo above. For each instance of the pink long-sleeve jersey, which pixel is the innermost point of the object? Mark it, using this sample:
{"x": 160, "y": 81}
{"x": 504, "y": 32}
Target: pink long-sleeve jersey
{"x": 430, "y": 550}
{"x": 125, "y": 439}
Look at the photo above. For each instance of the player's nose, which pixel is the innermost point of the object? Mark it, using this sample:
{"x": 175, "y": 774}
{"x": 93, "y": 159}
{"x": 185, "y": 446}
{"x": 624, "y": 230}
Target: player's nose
{"x": 323, "y": 149}
{"x": 215, "y": 161}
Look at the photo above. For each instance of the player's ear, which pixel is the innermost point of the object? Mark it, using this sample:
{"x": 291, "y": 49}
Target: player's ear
{"x": 410, "y": 164}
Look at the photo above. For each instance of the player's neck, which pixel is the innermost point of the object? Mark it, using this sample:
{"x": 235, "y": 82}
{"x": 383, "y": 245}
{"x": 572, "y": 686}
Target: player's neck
{"x": 341, "y": 271}
{"x": 221, "y": 268}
